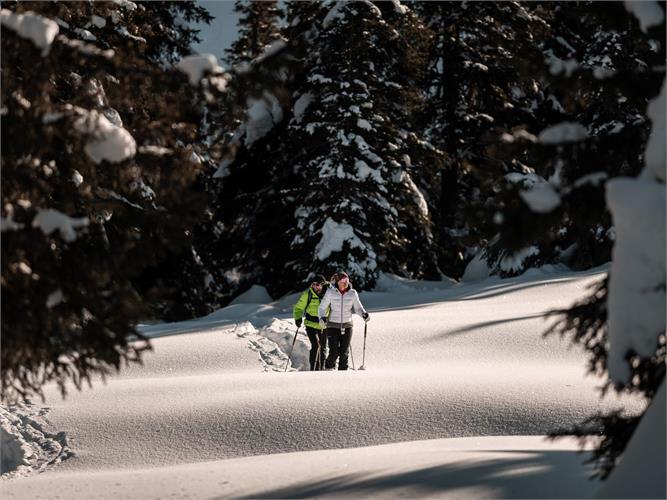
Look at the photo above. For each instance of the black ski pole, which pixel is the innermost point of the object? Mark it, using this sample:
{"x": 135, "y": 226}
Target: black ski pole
{"x": 317, "y": 358}
{"x": 351, "y": 355}
{"x": 292, "y": 348}
{"x": 363, "y": 359}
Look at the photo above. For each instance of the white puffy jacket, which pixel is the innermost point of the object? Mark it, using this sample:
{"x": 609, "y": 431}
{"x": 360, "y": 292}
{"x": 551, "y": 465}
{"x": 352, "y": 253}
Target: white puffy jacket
{"x": 342, "y": 305}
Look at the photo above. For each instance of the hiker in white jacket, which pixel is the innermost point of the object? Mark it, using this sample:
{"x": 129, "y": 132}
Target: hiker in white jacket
{"x": 343, "y": 301}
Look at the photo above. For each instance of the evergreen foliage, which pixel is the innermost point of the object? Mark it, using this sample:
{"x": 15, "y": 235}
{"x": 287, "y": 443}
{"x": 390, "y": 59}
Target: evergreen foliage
{"x": 339, "y": 161}
{"x": 616, "y": 148}
{"x": 89, "y": 148}
{"x": 501, "y": 74}
{"x": 257, "y": 29}
{"x": 596, "y": 79}
{"x": 479, "y": 86}
{"x": 360, "y": 135}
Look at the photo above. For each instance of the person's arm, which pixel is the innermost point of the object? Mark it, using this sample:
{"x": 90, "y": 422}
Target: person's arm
{"x": 358, "y": 308}
{"x": 299, "y": 308}
{"x": 322, "y": 310}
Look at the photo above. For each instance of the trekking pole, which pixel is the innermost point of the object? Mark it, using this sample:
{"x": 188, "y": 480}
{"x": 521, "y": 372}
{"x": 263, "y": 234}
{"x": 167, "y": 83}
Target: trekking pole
{"x": 292, "y": 348}
{"x": 363, "y": 359}
{"x": 351, "y": 355}
{"x": 318, "y": 359}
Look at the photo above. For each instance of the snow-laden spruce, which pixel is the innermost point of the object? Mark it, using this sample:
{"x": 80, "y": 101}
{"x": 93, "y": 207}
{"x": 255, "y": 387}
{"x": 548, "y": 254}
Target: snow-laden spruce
{"x": 363, "y": 201}
{"x": 330, "y": 176}
{"x": 637, "y": 275}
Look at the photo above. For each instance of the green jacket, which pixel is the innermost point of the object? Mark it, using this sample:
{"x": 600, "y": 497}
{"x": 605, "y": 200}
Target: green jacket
{"x": 306, "y": 308}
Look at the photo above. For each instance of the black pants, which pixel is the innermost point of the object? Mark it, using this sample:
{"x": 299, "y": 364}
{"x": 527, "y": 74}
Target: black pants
{"x": 339, "y": 346}
{"x": 318, "y": 345}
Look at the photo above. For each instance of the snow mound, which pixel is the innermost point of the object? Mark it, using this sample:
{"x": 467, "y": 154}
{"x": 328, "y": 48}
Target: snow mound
{"x": 477, "y": 269}
{"x": 281, "y": 334}
{"x": 256, "y": 294}
{"x": 271, "y": 355}
{"x": 545, "y": 270}
{"x": 26, "y": 445}
{"x": 273, "y": 344}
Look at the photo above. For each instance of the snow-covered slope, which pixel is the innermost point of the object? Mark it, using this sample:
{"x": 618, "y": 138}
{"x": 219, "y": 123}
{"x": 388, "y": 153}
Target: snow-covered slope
{"x": 444, "y": 361}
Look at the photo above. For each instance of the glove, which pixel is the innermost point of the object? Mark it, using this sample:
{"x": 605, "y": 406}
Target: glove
{"x": 323, "y": 322}
{"x": 297, "y": 322}
{"x": 367, "y": 317}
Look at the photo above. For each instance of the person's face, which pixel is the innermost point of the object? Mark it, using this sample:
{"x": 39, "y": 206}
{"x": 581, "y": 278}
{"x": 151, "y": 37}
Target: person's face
{"x": 317, "y": 287}
{"x": 343, "y": 281}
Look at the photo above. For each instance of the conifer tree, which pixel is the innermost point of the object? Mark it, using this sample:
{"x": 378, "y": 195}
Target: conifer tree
{"x": 636, "y": 79}
{"x": 497, "y": 95}
{"x": 257, "y": 29}
{"x": 478, "y": 87}
{"x": 339, "y": 163}
{"x": 98, "y": 181}
{"x": 596, "y": 84}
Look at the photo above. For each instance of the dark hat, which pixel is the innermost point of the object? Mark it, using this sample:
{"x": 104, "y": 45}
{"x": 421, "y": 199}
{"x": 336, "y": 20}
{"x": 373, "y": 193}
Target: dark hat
{"x": 319, "y": 278}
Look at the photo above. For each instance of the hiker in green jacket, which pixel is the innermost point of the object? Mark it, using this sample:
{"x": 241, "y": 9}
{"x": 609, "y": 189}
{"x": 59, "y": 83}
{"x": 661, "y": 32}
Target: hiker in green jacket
{"x": 305, "y": 310}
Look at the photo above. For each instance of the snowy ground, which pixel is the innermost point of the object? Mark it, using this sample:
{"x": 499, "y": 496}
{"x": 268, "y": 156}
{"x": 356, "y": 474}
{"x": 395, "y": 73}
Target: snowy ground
{"x": 460, "y": 387}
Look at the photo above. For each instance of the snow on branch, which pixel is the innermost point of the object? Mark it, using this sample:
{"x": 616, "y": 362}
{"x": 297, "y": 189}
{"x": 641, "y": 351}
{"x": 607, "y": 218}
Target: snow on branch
{"x": 336, "y": 11}
{"x": 51, "y": 220}
{"x": 334, "y": 235}
{"x": 86, "y": 48}
{"x": 648, "y": 13}
{"x": 196, "y": 66}
{"x": 513, "y": 262}
{"x": 541, "y": 197}
{"x": 563, "y": 132}
{"x": 655, "y": 148}
{"x": 637, "y": 276}
{"x": 638, "y": 272}
{"x": 40, "y": 30}
{"x": 106, "y": 141}
{"x": 263, "y": 114}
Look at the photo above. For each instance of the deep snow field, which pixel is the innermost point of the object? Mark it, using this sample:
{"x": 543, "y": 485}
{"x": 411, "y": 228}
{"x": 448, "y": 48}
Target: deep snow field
{"x": 459, "y": 390}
